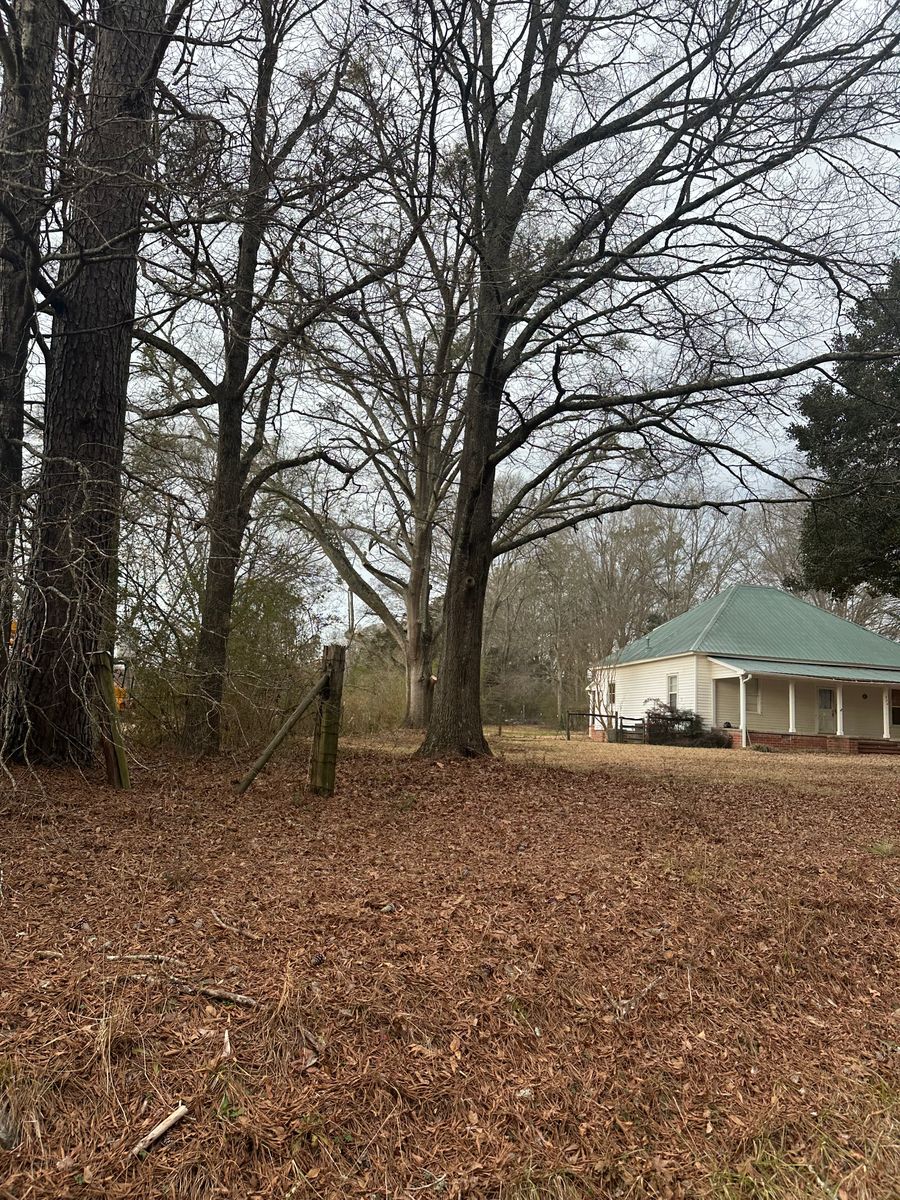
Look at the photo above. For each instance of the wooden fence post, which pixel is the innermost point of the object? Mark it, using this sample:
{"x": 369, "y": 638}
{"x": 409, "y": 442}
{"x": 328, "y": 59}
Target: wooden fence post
{"x": 282, "y": 733}
{"x": 323, "y": 756}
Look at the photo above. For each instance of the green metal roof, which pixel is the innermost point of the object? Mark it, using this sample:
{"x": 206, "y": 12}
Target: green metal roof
{"x": 765, "y": 623}
{"x": 799, "y": 670}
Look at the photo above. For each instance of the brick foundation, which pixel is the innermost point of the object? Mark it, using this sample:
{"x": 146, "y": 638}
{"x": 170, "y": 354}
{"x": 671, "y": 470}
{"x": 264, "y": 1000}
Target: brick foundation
{"x": 798, "y": 743}
{"x": 802, "y": 743}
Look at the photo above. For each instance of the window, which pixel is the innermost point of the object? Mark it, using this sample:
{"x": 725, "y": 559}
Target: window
{"x": 754, "y": 696}
{"x": 895, "y": 706}
{"x": 611, "y": 691}
{"x": 672, "y": 689}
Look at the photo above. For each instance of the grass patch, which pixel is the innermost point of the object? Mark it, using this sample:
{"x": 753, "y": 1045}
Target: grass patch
{"x": 884, "y": 848}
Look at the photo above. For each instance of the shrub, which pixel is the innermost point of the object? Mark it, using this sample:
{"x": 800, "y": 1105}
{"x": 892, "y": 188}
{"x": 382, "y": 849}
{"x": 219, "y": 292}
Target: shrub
{"x": 673, "y": 726}
{"x": 714, "y": 739}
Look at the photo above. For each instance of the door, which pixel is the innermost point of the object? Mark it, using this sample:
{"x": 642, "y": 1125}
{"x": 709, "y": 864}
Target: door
{"x": 827, "y": 712}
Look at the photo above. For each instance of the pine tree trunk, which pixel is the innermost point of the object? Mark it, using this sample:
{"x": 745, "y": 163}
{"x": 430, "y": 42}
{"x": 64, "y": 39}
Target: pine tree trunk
{"x": 25, "y": 101}
{"x": 227, "y": 522}
{"x": 69, "y": 606}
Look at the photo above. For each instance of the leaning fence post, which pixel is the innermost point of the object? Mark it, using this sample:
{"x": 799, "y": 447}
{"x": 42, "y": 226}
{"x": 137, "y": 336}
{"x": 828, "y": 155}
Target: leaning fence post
{"x": 323, "y": 756}
{"x": 281, "y": 734}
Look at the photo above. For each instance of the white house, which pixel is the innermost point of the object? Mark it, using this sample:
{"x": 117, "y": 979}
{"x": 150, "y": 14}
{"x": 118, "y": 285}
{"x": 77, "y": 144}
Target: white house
{"x": 770, "y": 667}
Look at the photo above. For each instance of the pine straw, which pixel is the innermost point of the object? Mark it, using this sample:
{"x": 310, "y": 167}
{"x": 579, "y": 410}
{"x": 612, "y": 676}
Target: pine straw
{"x": 651, "y": 976}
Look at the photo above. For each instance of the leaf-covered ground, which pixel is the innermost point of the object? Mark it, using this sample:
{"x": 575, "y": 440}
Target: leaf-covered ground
{"x": 572, "y": 971}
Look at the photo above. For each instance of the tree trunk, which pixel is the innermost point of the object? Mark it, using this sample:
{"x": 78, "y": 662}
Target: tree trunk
{"x": 455, "y": 728}
{"x": 25, "y": 102}
{"x": 419, "y": 678}
{"x": 420, "y": 636}
{"x": 69, "y": 606}
{"x": 227, "y": 521}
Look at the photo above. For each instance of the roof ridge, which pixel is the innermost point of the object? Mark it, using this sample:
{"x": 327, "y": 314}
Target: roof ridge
{"x": 724, "y": 598}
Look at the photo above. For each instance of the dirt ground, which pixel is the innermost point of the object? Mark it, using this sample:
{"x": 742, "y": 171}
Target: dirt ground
{"x": 572, "y": 971}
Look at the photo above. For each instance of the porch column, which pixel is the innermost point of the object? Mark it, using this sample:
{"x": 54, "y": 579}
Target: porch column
{"x": 744, "y": 711}
{"x": 792, "y": 707}
{"x": 839, "y": 705}
{"x": 886, "y": 711}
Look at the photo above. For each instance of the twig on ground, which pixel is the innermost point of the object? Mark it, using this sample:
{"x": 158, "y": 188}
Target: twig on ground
{"x": 257, "y": 937}
{"x": 158, "y": 1130}
{"x": 154, "y": 958}
{"x": 215, "y": 993}
{"x": 624, "y": 1007}
{"x": 47, "y": 954}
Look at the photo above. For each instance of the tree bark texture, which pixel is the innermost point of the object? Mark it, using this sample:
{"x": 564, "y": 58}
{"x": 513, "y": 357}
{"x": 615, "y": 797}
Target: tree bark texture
{"x": 419, "y": 677}
{"x": 25, "y": 102}
{"x": 69, "y": 606}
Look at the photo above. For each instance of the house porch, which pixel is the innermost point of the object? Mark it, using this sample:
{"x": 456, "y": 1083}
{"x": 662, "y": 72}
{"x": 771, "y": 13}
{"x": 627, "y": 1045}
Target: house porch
{"x": 821, "y": 713}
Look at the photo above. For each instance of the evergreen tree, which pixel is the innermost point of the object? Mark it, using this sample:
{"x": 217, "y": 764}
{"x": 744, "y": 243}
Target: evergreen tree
{"x": 850, "y": 434}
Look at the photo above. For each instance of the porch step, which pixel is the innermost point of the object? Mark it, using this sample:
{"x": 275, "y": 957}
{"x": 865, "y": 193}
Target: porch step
{"x": 879, "y": 747}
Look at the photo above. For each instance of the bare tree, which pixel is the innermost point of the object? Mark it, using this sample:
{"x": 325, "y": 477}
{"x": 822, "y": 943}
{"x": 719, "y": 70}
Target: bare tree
{"x": 393, "y": 361}
{"x": 278, "y": 607}
{"x": 251, "y": 253}
{"x": 68, "y": 612}
{"x": 652, "y": 188}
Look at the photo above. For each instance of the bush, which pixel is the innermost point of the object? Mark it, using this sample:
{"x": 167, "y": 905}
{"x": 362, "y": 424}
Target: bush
{"x": 672, "y": 726}
{"x": 668, "y": 726}
{"x": 714, "y": 739}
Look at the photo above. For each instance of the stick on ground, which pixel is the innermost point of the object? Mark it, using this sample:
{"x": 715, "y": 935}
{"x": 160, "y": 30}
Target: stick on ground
{"x": 158, "y": 1130}
{"x": 194, "y": 989}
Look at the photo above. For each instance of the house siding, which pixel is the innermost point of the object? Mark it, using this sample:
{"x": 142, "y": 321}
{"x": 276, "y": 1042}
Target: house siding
{"x": 639, "y": 684}
{"x": 728, "y": 702}
{"x": 705, "y": 683}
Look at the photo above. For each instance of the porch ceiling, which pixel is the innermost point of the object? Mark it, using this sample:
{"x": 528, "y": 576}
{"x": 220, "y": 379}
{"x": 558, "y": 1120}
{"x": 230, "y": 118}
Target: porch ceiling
{"x": 806, "y": 670}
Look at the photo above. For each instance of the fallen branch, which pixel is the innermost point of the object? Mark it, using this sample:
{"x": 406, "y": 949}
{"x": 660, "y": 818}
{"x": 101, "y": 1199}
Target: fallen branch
{"x": 196, "y": 989}
{"x": 158, "y": 1130}
{"x": 215, "y": 993}
{"x": 154, "y": 958}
